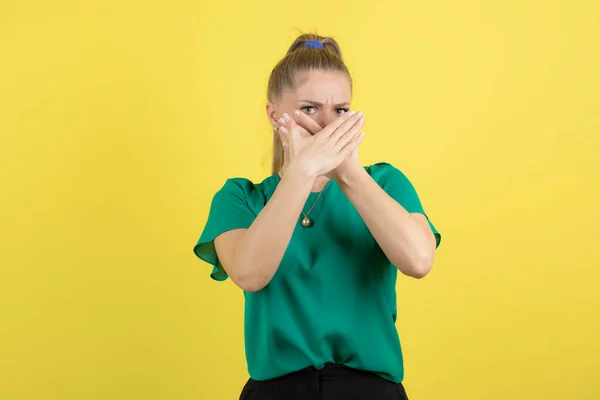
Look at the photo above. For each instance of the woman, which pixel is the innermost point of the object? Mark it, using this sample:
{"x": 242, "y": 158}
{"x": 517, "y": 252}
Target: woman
{"x": 316, "y": 246}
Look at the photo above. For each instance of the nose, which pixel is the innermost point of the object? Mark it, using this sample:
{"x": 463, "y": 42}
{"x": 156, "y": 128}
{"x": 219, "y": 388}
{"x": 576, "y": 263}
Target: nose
{"x": 325, "y": 118}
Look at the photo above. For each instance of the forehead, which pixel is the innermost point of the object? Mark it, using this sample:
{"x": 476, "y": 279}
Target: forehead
{"x": 322, "y": 86}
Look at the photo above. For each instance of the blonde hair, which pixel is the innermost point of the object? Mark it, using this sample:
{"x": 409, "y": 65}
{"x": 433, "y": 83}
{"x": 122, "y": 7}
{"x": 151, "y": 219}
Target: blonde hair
{"x": 301, "y": 58}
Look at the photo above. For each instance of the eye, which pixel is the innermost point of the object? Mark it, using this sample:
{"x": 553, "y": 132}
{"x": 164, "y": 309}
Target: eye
{"x": 309, "y": 109}
{"x": 341, "y": 111}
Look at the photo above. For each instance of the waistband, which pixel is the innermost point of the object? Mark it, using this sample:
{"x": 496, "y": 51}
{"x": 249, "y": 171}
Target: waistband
{"x": 333, "y": 371}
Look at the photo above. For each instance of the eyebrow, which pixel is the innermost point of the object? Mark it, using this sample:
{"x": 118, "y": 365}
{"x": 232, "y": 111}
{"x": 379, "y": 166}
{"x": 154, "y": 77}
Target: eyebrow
{"x": 317, "y": 104}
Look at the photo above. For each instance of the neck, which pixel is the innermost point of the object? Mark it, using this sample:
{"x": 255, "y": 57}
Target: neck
{"x": 319, "y": 183}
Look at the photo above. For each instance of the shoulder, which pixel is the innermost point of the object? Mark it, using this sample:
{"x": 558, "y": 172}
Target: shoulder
{"x": 383, "y": 172}
{"x": 244, "y": 188}
{"x": 396, "y": 184}
{"x": 237, "y": 185}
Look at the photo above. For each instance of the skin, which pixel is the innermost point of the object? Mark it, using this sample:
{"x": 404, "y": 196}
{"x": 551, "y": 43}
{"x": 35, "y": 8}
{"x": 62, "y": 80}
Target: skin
{"x": 323, "y": 96}
{"x": 321, "y": 139}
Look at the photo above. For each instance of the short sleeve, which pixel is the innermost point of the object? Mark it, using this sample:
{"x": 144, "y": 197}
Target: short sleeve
{"x": 229, "y": 210}
{"x": 399, "y": 187}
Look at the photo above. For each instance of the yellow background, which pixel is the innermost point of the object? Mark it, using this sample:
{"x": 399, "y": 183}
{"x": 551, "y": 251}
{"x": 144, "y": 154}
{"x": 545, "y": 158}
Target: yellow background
{"x": 120, "y": 119}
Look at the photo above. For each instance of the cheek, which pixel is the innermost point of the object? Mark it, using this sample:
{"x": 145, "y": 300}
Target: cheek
{"x": 284, "y": 106}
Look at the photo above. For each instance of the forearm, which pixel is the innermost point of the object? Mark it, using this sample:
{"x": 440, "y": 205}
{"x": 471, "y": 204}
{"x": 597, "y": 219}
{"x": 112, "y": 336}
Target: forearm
{"x": 260, "y": 250}
{"x": 403, "y": 240}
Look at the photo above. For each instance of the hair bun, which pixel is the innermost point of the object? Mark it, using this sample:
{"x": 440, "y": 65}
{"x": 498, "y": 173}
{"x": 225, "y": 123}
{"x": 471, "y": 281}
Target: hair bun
{"x": 313, "y": 44}
{"x": 312, "y": 41}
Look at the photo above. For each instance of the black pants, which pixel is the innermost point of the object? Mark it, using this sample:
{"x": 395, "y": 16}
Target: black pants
{"x": 333, "y": 382}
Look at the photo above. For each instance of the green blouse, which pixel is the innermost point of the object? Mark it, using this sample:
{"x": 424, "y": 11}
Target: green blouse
{"x": 333, "y": 297}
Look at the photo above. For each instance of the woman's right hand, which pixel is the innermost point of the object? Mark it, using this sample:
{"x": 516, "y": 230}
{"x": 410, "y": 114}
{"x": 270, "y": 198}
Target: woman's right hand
{"x": 322, "y": 152}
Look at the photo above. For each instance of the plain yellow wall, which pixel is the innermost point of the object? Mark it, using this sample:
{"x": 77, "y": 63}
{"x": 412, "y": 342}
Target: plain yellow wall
{"x": 120, "y": 119}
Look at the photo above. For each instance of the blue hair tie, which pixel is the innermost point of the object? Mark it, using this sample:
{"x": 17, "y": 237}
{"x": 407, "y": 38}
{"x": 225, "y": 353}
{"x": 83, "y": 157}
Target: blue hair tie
{"x": 313, "y": 44}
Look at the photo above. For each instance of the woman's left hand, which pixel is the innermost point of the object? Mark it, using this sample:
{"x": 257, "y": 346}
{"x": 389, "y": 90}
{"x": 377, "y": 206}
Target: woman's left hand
{"x": 350, "y": 165}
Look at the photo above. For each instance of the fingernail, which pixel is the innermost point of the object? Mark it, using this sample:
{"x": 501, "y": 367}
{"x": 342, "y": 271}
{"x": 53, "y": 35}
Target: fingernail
{"x": 351, "y": 112}
{"x": 297, "y": 113}
{"x": 283, "y": 130}
{"x": 360, "y": 114}
{"x": 286, "y": 117}
{"x": 281, "y": 121}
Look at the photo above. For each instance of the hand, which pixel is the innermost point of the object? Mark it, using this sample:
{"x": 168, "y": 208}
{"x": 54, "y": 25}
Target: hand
{"x": 324, "y": 151}
{"x": 311, "y": 127}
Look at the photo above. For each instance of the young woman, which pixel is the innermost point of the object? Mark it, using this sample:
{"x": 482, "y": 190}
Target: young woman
{"x": 317, "y": 245}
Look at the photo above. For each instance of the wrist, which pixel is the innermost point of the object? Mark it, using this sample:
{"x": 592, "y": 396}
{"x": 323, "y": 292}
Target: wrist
{"x": 300, "y": 174}
{"x": 351, "y": 177}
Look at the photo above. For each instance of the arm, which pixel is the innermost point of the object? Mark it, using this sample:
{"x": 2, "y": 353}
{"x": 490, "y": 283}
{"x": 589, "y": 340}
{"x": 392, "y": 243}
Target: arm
{"x": 405, "y": 238}
{"x": 251, "y": 256}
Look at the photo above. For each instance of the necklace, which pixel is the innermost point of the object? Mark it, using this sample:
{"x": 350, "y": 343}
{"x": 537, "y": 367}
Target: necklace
{"x": 307, "y": 222}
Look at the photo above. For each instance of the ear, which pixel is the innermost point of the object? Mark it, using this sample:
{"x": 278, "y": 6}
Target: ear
{"x": 272, "y": 114}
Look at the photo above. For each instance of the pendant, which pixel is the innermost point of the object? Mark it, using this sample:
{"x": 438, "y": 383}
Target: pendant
{"x": 306, "y": 222}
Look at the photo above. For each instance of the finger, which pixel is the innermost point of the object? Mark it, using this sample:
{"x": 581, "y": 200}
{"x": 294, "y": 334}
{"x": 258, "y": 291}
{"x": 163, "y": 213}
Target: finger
{"x": 292, "y": 123}
{"x": 353, "y": 125}
{"x": 335, "y": 124}
{"x": 285, "y": 137}
{"x": 284, "y": 127}
{"x": 307, "y": 122}
{"x": 285, "y": 120}
{"x": 283, "y": 130}
{"x": 350, "y": 147}
{"x": 346, "y": 137}
{"x": 289, "y": 123}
